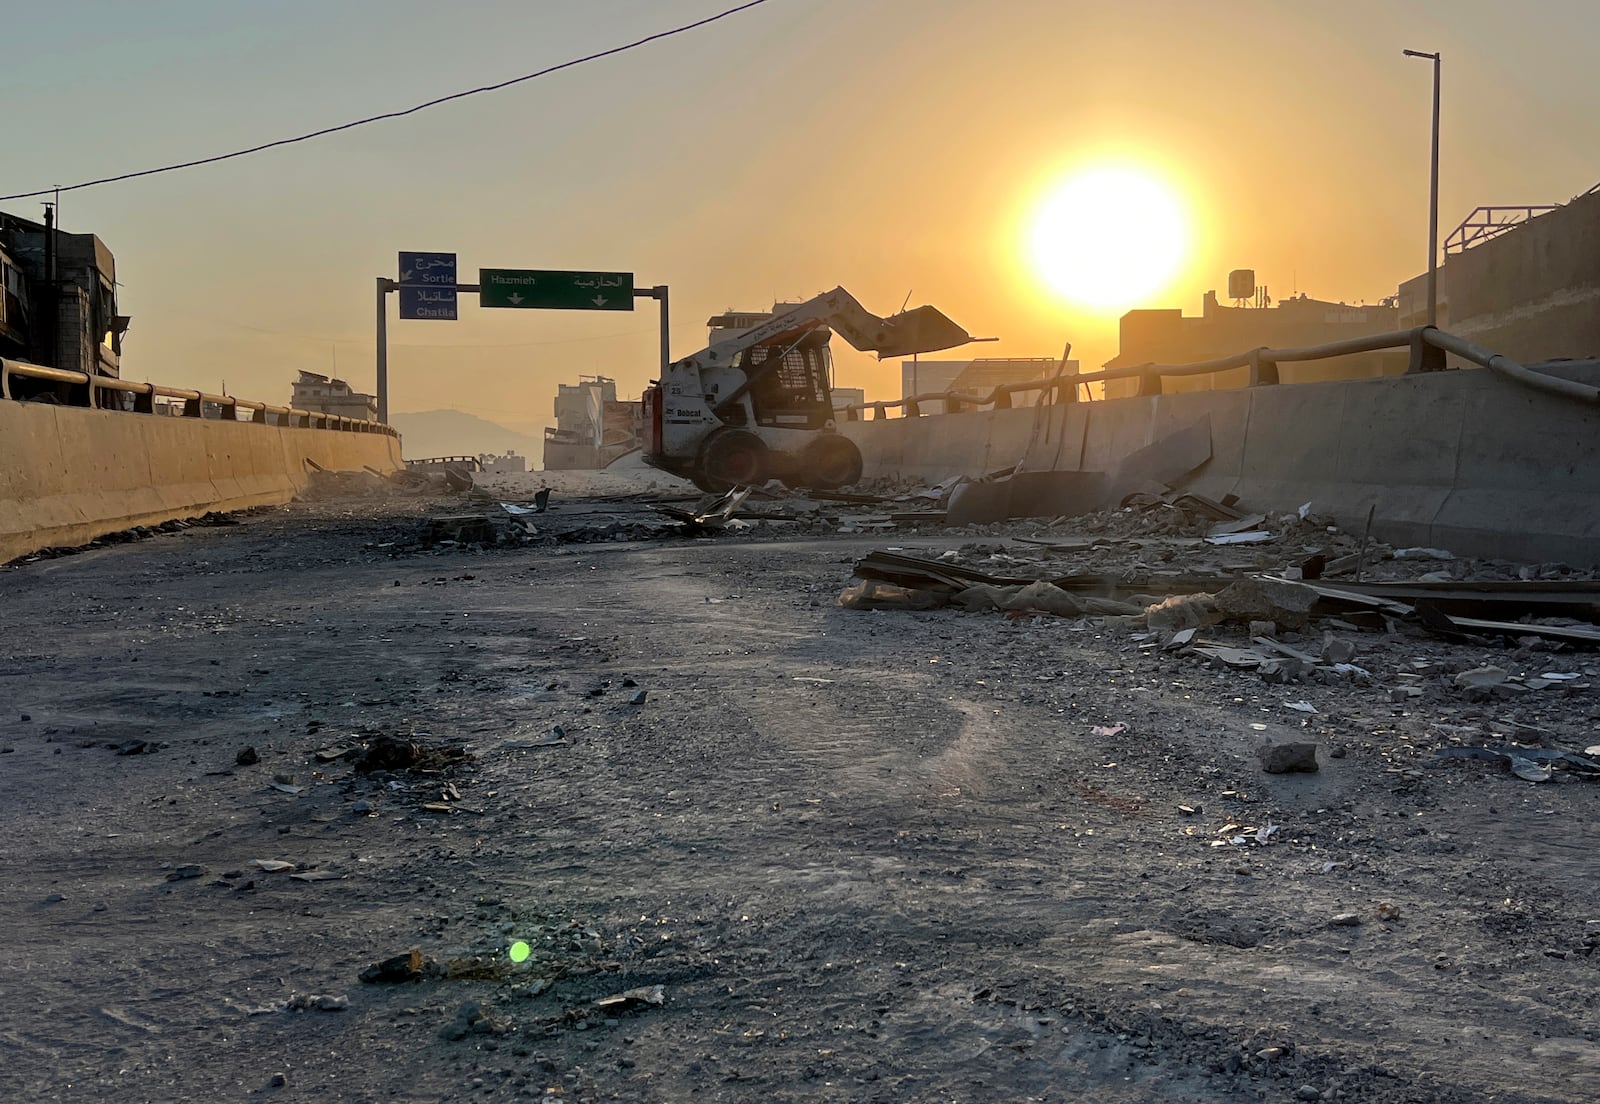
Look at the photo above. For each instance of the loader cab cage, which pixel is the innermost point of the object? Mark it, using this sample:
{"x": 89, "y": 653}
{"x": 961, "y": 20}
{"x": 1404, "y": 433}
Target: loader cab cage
{"x": 796, "y": 391}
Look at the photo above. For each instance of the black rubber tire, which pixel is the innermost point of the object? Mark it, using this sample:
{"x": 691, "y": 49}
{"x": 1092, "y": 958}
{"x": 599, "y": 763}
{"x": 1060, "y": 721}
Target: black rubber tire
{"x": 830, "y": 462}
{"x": 732, "y": 458}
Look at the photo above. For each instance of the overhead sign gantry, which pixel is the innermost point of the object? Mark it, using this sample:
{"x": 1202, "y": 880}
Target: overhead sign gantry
{"x": 428, "y": 289}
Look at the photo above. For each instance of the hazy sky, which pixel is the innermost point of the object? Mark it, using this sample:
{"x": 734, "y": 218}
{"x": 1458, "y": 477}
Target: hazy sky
{"x": 891, "y": 146}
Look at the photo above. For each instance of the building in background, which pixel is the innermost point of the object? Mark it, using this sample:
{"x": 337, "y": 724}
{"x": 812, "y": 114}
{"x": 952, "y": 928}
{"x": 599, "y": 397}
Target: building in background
{"x": 1171, "y": 337}
{"x": 848, "y": 396}
{"x": 593, "y": 427}
{"x": 1522, "y": 281}
{"x": 58, "y": 299}
{"x": 322, "y": 395}
{"x": 979, "y": 377}
{"x": 511, "y": 463}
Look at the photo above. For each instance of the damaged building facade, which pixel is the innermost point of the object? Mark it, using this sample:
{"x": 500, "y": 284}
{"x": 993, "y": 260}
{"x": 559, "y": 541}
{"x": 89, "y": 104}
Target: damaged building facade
{"x": 1168, "y": 336}
{"x": 58, "y": 299}
{"x": 322, "y": 394}
{"x": 593, "y": 427}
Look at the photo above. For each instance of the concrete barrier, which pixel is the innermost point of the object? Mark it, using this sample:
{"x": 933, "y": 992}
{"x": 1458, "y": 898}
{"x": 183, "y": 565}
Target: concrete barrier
{"x": 71, "y": 474}
{"x": 1464, "y": 460}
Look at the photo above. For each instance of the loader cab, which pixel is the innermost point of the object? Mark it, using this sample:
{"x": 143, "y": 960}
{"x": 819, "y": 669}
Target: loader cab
{"x": 797, "y": 393}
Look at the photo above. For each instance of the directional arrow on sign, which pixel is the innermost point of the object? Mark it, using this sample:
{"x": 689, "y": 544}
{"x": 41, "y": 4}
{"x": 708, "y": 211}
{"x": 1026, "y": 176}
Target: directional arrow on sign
{"x": 514, "y": 299}
{"x": 599, "y": 300}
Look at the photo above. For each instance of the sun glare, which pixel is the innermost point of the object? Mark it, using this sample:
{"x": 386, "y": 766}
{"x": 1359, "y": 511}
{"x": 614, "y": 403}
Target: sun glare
{"x": 1108, "y": 238}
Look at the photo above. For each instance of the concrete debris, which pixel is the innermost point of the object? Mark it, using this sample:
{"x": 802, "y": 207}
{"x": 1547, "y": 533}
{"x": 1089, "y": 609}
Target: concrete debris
{"x": 1288, "y": 756}
{"x": 1045, "y": 597}
{"x": 411, "y": 966}
{"x": 1482, "y": 678}
{"x": 982, "y": 597}
{"x": 472, "y": 1019}
{"x": 1256, "y": 536}
{"x": 1234, "y": 526}
{"x": 401, "y": 753}
{"x": 1532, "y": 764}
{"x": 1183, "y": 611}
{"x": 1423, "y": 554}
{"x": 873, "y": 594}
{"x": 1263, "y": 598}
{"x": 632, "y": 1000}
{"x": 1335, "y": 650}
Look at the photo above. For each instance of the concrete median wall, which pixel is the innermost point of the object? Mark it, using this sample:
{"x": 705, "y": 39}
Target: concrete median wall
{"x": 69, "y": 474}
{"x": 1462, "y": 460}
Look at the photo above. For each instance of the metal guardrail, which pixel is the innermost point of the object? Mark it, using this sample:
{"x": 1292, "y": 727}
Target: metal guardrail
{"x": 471, "y": 463}
{"x": 84, "y": 390}
{"x": 1427, "y": 344}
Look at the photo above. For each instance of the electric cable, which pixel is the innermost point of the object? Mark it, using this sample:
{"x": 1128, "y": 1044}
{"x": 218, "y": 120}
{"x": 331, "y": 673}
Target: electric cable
{"x": 658, "y": 36}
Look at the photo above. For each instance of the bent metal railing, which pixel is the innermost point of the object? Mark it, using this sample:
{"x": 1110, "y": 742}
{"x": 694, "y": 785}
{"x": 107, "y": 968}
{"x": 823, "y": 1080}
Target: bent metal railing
{"x": 1427, "y": 346}
{"x": 81, "y": 389}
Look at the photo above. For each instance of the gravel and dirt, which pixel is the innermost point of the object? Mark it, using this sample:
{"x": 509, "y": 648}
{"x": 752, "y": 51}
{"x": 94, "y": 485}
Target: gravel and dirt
{"x": 826, "y": 854}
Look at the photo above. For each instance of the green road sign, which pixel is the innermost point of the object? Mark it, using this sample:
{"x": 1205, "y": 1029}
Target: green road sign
{"x": 538, "y": 289}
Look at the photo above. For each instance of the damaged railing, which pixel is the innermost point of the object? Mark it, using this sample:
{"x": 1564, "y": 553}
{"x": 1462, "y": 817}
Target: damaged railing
{"x": 1427, "y": 344}
{"x": 69, "y": 388}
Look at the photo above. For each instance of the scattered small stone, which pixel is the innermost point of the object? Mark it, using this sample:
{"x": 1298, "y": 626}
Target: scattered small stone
{"x": 1308, "y": 1092}
{"x": 646, "y": 996}
{"x": 54, "y": 899}
{"x": 471, "y": 1019}
{"x": 1264, "y": 628}
{"x": 1482, "y": 678}
{"x": 361, "y": 807}
{"x": 279, "y": 1081}
{"x": 1345, "y": 920}
{"x": 638, "y": 697}
{"x": 185, "y": 872}
{"x": 26, "y": 718}
{"x": 247, "y": 757}
{"x": 328, "y": 1002}
{"x": 1387, "y": 910}
{"x": 132, "y": 747}
{"x": 1335, "y": 650}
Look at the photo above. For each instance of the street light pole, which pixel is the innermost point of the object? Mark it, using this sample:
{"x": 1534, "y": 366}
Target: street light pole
{"x": 1433, "y": 196}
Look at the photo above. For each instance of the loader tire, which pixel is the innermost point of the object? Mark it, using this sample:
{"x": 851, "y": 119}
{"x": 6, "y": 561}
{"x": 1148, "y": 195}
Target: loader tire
{"x": 732, "y": 458}
{"x": 830, "y": 462}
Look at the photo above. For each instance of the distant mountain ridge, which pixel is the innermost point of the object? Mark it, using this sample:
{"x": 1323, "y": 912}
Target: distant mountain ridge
{"x": 456, "y": 433}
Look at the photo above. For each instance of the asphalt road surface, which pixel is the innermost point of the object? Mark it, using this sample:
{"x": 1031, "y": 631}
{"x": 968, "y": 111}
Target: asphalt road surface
{"x": 864, "y": 856}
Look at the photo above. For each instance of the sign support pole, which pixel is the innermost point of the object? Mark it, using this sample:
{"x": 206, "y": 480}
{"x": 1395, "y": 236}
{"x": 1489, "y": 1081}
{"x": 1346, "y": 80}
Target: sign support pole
{"x": 659, "y": 294}
{"x": 385, "y": 286}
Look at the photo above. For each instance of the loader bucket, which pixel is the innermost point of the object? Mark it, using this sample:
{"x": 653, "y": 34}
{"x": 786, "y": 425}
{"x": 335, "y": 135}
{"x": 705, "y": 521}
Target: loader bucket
{"x": 920, "y": 330}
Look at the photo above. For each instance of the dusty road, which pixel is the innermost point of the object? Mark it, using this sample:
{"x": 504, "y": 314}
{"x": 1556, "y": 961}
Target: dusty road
{"x": 865, "y": 856}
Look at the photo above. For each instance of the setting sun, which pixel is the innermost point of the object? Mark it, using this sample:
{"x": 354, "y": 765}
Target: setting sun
{"x": 1108, "y": 237}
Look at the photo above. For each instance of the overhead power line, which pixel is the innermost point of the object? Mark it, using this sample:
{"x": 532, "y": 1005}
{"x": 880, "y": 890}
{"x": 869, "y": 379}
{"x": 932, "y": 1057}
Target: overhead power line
{"x": 658, "y": 36}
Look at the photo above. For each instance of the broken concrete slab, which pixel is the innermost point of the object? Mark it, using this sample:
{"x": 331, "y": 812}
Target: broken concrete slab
{"x": 1027, "y": 494}
{"x": 1263, "y": 598}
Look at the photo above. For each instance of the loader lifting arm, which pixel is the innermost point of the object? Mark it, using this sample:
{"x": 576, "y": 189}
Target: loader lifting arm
{"x": 919, "y": 330}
